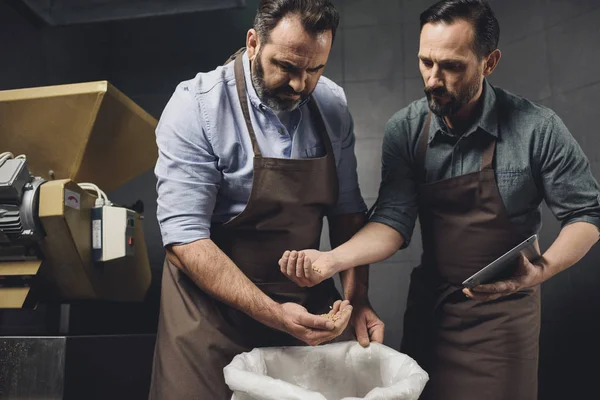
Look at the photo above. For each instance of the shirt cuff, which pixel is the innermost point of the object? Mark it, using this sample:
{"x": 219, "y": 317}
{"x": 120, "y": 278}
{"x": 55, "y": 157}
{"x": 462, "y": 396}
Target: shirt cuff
{"x": 176, "y": 235}
{"x": 401, "y": 226}
{"x": 594, "y": 220}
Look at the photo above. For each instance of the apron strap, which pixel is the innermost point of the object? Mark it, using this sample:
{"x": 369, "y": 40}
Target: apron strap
{"x": 234, "y": 55}
{"x": 317, "y": 117}
{"x": 487, "y": 157}
{"x": 240, "y": 83}
{"x": 422, "y": 150}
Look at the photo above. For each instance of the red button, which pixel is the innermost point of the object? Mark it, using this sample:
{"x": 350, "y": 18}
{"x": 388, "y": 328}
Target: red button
{"x": 130, "y": 241}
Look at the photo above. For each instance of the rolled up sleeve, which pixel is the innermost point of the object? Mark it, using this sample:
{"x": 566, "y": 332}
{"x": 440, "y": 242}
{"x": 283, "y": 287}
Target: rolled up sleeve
{"x": 186, "y": 171}
{"x": 570, "y": 190}
{"x": 397, "y": 201}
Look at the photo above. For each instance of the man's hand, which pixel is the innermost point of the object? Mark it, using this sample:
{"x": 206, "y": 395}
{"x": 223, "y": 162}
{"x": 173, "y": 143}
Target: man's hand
{"x": 367, "y": 325}
{"x": 314, "y": 329}
{"x": 526, "y": 275}
{"x": 307, "y": 267}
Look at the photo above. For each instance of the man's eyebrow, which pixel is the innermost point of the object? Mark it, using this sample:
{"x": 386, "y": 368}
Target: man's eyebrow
{"x": 289, "y": 64}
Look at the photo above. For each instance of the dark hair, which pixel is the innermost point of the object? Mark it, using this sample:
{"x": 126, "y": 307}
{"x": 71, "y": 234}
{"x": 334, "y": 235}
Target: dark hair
{"x": 477, "y": 12}
{"x": 317, "y": 15}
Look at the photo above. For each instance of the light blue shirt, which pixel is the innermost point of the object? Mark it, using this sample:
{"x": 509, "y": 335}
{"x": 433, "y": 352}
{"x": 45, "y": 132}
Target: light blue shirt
{"x": 205, "y": 159}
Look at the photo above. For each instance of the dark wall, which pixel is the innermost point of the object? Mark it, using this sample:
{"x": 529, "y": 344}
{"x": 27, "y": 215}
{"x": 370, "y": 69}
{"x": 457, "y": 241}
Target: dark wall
{"x": 550, "y": 55}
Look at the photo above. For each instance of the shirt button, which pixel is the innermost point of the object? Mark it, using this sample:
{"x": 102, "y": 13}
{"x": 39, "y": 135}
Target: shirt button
{"x": 262, "y": 107}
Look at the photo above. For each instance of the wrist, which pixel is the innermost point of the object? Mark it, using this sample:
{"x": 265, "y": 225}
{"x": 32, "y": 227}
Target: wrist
{"x": 339, "y": 262}
{"x": 358, "y": 299}
{"x": 270, "y": 314}
{"x": 546, "y": 268}
{"x": 358, "y": 292}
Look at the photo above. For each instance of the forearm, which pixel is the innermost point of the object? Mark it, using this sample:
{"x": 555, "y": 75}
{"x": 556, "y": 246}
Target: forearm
{"x": 215, "y": 273}
{"x": 355, "y": 281}
{"x": 375, "y": 242}
{"x": 573, "y": 242}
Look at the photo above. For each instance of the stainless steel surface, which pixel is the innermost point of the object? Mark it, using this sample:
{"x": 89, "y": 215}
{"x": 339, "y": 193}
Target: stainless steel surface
{"x": 32, "y": 368}
{"x": 95, "y": 367}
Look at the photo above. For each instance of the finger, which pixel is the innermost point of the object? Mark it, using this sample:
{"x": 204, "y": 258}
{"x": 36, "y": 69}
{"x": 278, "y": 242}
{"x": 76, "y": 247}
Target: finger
{"x": 283, "y": 261}
{"x": 291, "y": 265}
{"x": 523, "y": 260}
{"x": 300, "y": 265}
{"x": 312, "y": 321}
{"x": 507, "y": 286}
{"x": 362, "y": 333}
{"x": 308, "y": 271}
{"x": 345, "y": 314}
{"x": 335, "y": 308}
{"x": 377, "y": 333}
{"x": 486, "y": 296}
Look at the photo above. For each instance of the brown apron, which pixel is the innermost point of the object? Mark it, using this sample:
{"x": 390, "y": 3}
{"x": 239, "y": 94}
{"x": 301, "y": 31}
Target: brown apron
{"x": 198, "y": 335}
{"x": 471, "y": 349}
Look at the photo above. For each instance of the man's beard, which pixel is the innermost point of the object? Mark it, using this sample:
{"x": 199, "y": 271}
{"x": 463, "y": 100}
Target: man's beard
{"x": 455, "y": 100}
{"x": 270, "y": 96}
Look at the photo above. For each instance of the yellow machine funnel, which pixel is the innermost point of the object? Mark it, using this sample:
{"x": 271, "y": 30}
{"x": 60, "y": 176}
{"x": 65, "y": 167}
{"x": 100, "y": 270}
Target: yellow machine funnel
{"x": 87, "y": 132}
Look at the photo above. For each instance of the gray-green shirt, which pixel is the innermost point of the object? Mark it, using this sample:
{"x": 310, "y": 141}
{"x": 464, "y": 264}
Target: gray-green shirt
{"x": 536, "y": 159}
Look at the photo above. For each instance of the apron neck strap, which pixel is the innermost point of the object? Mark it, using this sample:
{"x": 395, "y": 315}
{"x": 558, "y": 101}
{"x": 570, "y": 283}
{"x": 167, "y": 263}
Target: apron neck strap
{"x": 240, "y": 83}
{"x": 487, "y": 158}
{"x": 422, "y": 149}
{"x": 317, "y": 117}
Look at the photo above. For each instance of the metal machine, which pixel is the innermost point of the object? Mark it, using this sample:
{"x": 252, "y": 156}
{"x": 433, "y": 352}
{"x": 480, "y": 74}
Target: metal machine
{"x": 62, "y": 241}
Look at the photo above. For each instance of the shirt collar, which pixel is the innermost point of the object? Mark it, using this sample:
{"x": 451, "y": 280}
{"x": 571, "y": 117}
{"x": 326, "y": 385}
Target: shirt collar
{"x": 252, "y": 95}
{"x": 488, "y": 120}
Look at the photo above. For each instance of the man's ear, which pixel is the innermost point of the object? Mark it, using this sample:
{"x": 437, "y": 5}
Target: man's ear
{"x": 492, "y": 62}
{"x": 252, "y": 43}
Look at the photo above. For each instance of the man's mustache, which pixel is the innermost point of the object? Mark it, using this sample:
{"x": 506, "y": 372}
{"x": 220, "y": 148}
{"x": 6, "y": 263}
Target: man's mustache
{"x": 289, "y": 91}
{"x": 436, "y": 91}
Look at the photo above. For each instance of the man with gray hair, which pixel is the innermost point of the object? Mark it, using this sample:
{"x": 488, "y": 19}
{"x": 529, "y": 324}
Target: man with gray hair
{"x": 252, "y": 156}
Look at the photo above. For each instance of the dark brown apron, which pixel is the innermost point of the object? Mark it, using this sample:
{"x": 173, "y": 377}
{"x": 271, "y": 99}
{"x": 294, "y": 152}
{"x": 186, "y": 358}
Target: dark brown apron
{"x": 198, "y": 335}
{"x": 472, "y": 350}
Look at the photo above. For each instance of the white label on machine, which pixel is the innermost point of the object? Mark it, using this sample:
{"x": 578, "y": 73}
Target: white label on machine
{"x": 72, "y": 199}
{"x": 97, "y": 234}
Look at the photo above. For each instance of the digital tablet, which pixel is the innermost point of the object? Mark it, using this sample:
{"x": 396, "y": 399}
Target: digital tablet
{"x": 500, "y": 266}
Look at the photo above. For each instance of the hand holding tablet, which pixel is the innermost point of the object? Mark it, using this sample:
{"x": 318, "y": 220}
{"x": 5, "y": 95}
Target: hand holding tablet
{"x": 498, "y": 267}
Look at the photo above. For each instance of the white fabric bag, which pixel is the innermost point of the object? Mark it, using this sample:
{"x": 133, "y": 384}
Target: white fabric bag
{"x": 339, "y": 371}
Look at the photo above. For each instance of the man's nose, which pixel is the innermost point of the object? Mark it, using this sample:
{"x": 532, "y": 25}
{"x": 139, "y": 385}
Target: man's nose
{"x": 434, "y": 80}
{"x": 298, "y": 82}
